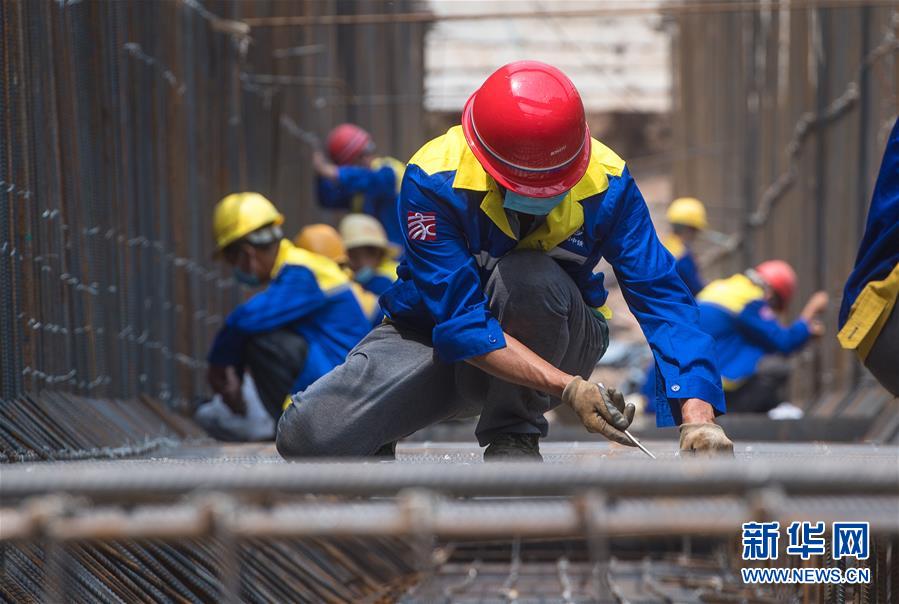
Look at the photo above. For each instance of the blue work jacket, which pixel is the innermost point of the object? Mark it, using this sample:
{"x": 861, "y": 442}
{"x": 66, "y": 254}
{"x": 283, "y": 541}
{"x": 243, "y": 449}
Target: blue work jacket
{"x": 684, "y": 262}
{"x": 734, "y": 312}
{"x": 308, "y": 294}
{"x": 371, "y": 191}
{"x": 456, "y": 229}
{"x": 877, "y": 260}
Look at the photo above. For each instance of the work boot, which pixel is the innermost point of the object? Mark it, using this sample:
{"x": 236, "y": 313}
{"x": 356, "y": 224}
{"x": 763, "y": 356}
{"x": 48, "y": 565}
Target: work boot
{"x": 386, "y": 452}
{"x": 514, "y": 447}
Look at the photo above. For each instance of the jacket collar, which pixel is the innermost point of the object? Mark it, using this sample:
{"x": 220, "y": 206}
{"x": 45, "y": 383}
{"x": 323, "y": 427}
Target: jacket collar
{"x": 560, "y": 223}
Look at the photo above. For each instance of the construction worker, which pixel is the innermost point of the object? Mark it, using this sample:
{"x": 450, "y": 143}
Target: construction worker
{"x": 370, "y": 254}
{"x": 687, "y": 218}
{"x": 869, "y": 321}
{"x": 324, "y": 239}
{"x": 356, "y": 179}
{"x": 740, "y": 313}
{"x": 292, "y": 332}
{"x": 497, "y": 309}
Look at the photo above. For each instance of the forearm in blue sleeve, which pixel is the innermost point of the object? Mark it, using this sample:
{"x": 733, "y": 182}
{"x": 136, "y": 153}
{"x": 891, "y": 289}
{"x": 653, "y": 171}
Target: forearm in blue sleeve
{"x": 770, "y": 334}
{"x": 331, "y": 195}
{"x": 294, "y": 295}
{"x": 660, "y": 301}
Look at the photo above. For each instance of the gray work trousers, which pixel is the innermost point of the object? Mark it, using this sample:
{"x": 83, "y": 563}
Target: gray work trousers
{"x": 883, "y": 359}
{"x": 392, "y": 384}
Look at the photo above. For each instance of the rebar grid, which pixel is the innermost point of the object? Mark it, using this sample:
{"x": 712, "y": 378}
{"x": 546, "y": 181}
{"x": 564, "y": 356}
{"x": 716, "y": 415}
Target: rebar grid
{"x": 121, "y": 124}
{"x": 622, "y": 477}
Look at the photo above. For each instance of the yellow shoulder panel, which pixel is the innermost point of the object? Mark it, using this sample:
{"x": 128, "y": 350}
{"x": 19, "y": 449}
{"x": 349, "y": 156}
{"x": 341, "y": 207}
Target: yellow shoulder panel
{"x": 387, "y": 268}
{"x": 398, "y": 167}
{"x": 603, "y": 163}
{"x": 869, "y": 314}
{"x": 733, "y": 293}
{"x": 443, "y": 153}
{"x": 327, "y": 273}
{"x": 675, "y": 245}
{"x": 368, "y": 302}
{"x": 608, "y": 159}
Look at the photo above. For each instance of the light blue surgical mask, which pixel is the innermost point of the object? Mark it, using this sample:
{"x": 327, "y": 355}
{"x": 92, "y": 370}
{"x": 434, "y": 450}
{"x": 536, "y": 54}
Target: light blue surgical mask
{"x": 538, "y": 206}
{"x": 246, "y": 278}
{"x": 365, "y": 274}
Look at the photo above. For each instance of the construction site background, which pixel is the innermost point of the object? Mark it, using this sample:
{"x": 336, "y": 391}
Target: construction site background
{"x": 124, "y": 122}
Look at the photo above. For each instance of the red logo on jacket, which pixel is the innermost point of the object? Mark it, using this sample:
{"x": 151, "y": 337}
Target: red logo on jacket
{"x": 422, "y": 226}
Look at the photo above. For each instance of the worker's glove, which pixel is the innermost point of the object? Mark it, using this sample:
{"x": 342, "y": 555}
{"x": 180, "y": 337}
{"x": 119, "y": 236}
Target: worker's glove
{"x": 707, "y": 440}
{"x": 601, "y": 410}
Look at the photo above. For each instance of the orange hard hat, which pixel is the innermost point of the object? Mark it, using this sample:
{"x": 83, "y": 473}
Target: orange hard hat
{"x": 323, "y": 239}
{"x": 780, "y": 277}
{"x": 526, "y": 126}
{"x": 347, "y": 142}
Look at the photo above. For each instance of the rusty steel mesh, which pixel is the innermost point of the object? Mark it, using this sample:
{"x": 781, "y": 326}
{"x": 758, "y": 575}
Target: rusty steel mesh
{"x": 121, "y": 124}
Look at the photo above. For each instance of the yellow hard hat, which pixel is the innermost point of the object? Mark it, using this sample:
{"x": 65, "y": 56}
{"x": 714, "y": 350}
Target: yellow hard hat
{"x": 688, "y": 211}
{"x": 359, "y": 230}
{"x": 239, "y": 214}
{"x": 322, "y": 239}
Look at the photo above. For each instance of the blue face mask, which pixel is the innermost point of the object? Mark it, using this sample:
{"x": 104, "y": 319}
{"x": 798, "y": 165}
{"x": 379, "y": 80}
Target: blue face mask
{"x": 365, "y": 274}
{"x": 246, "y": 278}
{"x": 532, "y": 205}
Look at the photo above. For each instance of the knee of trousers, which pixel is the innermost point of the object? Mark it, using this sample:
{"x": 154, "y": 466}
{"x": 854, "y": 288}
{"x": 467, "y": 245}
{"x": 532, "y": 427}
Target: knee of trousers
{"x": 297, "y": 437}
{"x": 532, "y": 277}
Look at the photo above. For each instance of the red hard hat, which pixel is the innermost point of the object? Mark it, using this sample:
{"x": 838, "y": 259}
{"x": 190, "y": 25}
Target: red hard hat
{"x": 346, "y": 142}
{"x": 526, "y": 126}
{"x": 780, "y": 277}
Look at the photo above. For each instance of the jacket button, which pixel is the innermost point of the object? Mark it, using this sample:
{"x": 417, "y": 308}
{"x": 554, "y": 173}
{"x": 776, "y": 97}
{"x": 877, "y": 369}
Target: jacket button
{"x": 491, "y": 339}
{"x": 675, "y": 388}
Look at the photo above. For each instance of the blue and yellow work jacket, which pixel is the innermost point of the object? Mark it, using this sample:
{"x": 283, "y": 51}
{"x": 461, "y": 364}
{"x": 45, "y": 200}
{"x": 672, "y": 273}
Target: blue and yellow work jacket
{"x": 368, "y": 190}
{"x": 684, "y": 262}
{"x": 380, "y": 279}
{"x": 308, "y": 294}
{"x": 873, "y": 286}
{"x": 734, "y": 312}
{"x": 456, "y": 229}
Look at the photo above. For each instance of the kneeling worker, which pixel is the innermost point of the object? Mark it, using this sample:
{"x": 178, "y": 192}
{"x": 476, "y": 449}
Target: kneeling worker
{"x": 497, "y": 309}
{"x": 740, "y": 313}
{"x": 323, "y": 239}
{"x": 370, "y": 254}
{"x": 294, "y": 331}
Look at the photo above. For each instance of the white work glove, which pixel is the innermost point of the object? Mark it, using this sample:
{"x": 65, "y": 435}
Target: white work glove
{"x": 705, "y": 440}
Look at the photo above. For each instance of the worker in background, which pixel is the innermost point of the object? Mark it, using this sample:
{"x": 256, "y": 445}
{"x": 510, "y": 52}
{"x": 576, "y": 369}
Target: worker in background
{"x": 356, "y": 179}
{"x": 687, "y": 218}
{"x": 302, "y": 324}
{"x": 323, "y": 239}
{"x": 370, "y": 254}
{"x": 869, "y": 321}
{"x": 497, "y": 309}
{"x": 741, "y": 314}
